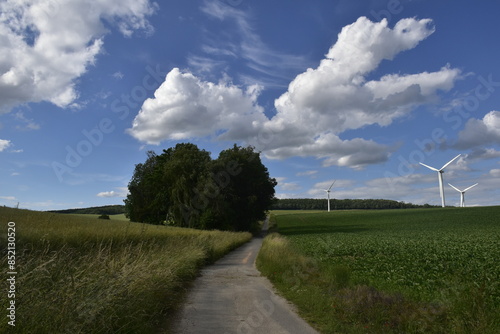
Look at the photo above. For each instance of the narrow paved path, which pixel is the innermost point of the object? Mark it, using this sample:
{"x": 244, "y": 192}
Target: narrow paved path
{"x": 231, "y": 296}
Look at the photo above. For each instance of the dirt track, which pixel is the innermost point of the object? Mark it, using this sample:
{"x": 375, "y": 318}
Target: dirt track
{"x": 231, "y": 296}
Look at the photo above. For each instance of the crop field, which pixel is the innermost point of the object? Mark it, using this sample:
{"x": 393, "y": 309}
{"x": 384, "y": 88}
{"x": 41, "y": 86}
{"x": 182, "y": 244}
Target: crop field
{"x": 79, "y": 274}
{"x": 401, "y": 271}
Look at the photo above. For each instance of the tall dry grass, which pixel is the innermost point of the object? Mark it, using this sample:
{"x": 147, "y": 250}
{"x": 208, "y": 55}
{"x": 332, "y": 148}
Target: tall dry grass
{"x": 82, "y": 275}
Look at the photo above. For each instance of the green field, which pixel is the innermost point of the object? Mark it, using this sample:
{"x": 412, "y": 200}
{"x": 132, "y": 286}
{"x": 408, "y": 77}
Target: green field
{"x": 400, "y": 271}
{"x": 80, "y": 274}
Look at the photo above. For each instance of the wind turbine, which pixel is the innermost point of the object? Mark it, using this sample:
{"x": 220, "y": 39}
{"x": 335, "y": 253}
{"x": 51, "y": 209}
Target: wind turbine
{"x": 440, "y": 176}
{"x": 462, "y": 194}
{"x": 328, "y": 194}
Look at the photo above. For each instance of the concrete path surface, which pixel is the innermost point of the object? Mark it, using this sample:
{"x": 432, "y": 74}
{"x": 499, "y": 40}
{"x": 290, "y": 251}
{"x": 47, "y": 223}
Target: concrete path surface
{"x": 231, "y": 296}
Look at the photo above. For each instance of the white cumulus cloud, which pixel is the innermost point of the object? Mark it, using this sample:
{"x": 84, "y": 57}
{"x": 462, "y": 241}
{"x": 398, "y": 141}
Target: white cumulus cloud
{"x": 8, "y": 198}
{"x": 121, "y": 192}
{"x": 4, "y": 144}
{"x": 289, "y": 186}
{"x": 45, "y": 45}
{"x": 319, "y": 105}
{"x": 479, "y": 132}
{"x": 495, "y": 173}
{"x": 185, "y": 107}
{"x": 307, "y": 173}
{"x": 322, "y": 103}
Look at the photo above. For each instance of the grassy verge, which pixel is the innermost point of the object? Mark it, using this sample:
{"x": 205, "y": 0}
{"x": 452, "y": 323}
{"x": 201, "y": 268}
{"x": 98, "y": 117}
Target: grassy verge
{"x": 82, "y": 275}
{"x": 412, "y": 271}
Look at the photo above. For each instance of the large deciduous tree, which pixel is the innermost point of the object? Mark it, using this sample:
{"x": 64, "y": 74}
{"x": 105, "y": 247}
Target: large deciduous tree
{"x": 183, "y": 172}
{"x": 185, "y": 187}
{"x": 250, "y": 190}
{"x": 147, "y": 200}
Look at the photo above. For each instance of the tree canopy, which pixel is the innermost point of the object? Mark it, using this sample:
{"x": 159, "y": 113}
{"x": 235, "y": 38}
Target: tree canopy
{"x": 185, "y": 187}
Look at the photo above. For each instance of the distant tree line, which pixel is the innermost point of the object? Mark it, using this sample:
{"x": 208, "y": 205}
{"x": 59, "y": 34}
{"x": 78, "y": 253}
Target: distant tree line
{"x": 341, "y": 204}
{"x": 185, "y": 187}
{"x": 96, "y": 210}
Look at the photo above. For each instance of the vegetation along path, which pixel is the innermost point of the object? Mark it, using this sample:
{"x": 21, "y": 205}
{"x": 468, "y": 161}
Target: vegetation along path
{"x": 231, "y": 296}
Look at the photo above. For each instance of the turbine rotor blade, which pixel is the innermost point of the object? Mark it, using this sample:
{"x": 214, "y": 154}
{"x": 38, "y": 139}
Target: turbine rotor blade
{"x": 332, "y": 185}
{"x": 454, "y": 187}
{"x": 432, "y": 168}
{"x": 471, "y": 187}
{"x": 449, "y": 162}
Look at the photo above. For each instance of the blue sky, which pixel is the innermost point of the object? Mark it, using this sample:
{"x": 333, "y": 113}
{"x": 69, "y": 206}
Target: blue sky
{"x": 358, "y": 92}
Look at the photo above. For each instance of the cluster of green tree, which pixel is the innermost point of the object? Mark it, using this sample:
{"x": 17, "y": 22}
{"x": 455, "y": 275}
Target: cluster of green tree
{"x": 185, "y": 187}
{"x": 96, "y": 210}
{"x": 341, "y": 204}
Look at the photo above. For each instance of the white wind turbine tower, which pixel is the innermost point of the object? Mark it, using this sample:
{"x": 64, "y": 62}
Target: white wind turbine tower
{"x": 462, "y": 194}
{"x": 440, "y": 176}
{"x": 328, "y": 194}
